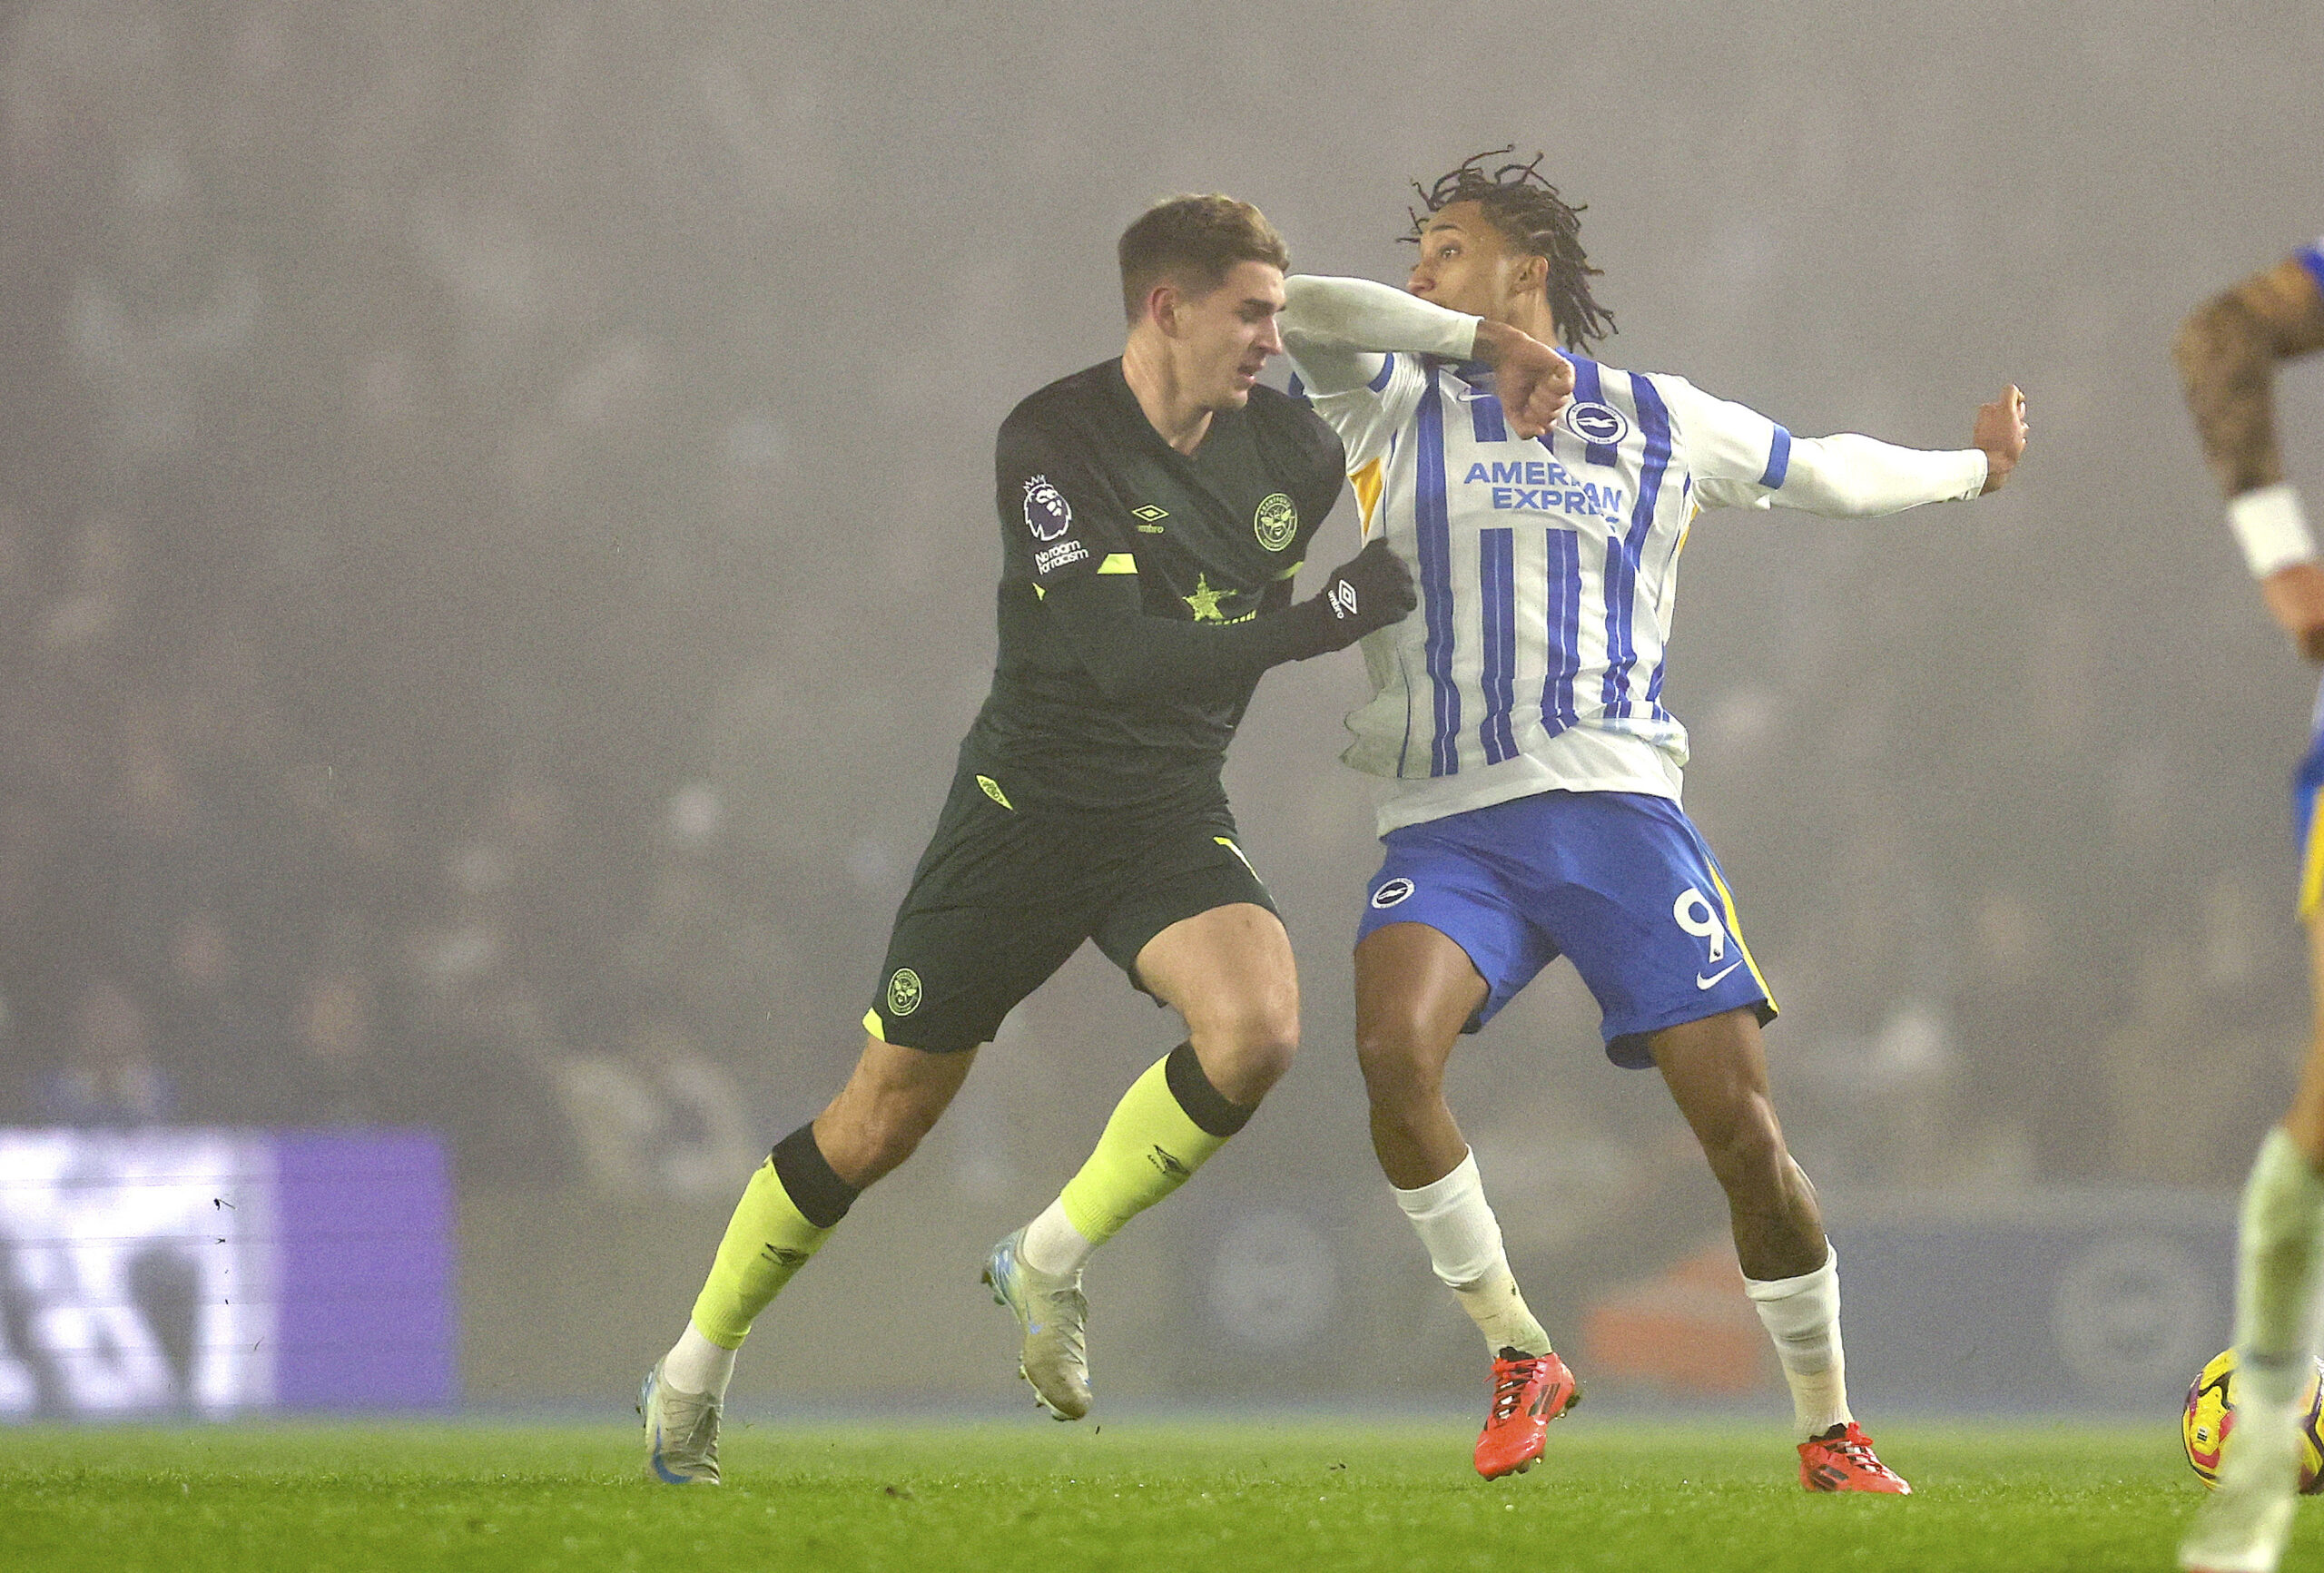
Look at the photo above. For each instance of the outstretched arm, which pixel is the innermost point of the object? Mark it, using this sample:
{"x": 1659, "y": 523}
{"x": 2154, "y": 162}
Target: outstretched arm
{"x": 2227, "y": 352}
{"x": 1845, "y": 475}
{"x": 1848, "y": 475}
{"x": 1336, "y": 329}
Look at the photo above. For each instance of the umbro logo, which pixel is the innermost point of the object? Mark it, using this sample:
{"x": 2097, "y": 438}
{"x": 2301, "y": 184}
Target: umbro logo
{"x": 1150, "y": 513}
{"x": 783, "y": 1255}
{"x": 1343, "y": 601}
{"x": 1169, "y": 1163}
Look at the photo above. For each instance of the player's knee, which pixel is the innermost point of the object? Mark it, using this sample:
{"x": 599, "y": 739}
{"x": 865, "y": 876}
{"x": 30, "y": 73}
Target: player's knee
{"x": 1746, "y": 1153}
{"x": 869, "y": 1156}
{"x": 864, "y": 1144}
{"x": 1268, "y": 1043}
{"x": 1395, "y": 1071}
{"x": 1252, "y": 1043}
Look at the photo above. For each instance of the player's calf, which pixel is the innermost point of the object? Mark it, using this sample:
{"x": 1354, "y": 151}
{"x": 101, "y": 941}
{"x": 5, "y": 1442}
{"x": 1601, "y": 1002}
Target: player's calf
{"x": 1168, "y": 1125}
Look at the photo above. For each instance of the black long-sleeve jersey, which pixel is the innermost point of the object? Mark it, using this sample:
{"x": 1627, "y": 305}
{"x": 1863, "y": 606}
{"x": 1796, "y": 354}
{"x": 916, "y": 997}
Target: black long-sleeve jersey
{"x": 1142, "y": 590}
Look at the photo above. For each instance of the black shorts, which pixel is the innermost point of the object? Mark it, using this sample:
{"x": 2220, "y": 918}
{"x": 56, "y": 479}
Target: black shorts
{"x": 1007, "y": 891}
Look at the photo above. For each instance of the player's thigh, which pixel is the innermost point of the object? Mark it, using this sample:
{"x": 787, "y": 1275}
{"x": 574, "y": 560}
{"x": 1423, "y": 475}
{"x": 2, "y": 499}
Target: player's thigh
{"x": 1000, "y": 899}
{"x": 2305, "y": 1122}
{"x": 1444, "y": 940}
{"x": 1416, "y": 990}
{"x": 1638, "y": 903}
{"x": 1229, "y": 971}
{"x": 1192, "y": 924}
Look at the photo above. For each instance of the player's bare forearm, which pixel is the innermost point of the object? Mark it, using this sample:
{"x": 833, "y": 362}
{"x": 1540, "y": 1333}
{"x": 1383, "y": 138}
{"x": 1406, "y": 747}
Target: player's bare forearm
{"x": 2001, "y": 431}
{"x": 2227, "y": 352}
{"x": 2294, "y": 596}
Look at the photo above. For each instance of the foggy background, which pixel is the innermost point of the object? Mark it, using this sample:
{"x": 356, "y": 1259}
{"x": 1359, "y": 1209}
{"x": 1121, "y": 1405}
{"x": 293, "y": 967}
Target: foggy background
{"x": 496, "y": 555}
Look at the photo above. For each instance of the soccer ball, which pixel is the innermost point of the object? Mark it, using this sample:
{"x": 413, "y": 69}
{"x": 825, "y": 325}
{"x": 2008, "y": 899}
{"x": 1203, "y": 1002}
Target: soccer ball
{"x": 2211, "y": 1416}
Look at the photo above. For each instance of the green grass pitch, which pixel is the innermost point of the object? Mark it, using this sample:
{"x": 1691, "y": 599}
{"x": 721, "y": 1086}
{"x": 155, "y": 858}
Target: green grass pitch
{"x": 1284, "y": 1493}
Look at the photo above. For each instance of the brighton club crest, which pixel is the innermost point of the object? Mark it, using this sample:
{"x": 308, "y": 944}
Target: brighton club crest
{"x": 1600, "y": 424}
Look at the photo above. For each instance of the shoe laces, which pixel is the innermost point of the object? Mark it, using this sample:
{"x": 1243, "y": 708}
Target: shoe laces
{"x": 1069, "y": 1314}
{"x": 1856, "y": 1448}
{"x": 689, "y": 1423}
{"x": 1053, "y": 1307}
{"x": 1509, "y": 1391}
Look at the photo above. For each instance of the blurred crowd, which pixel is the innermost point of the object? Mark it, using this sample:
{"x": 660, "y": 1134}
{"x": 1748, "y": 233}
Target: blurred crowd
{"x": 363, "y": 587}
{"x": 495, "y": 553}
{"x": 204, "y": 916}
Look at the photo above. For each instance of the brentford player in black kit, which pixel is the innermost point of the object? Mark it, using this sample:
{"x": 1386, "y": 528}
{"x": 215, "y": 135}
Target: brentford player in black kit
{"x": 1153, "y": 512}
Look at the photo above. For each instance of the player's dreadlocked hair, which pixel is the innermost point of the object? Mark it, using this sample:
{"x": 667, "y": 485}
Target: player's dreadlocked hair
{"x": 1529, "y": 213}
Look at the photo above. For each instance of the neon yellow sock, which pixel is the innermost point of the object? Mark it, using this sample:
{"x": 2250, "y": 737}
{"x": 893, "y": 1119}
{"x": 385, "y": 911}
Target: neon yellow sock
{"x": 767, "y": 1240}
{"x": 1151, "y": 1146}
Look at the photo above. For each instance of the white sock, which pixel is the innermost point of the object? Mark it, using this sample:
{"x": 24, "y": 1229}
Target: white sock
{"x": 2275, "y": 1299}
{"x": 1802, "y": 1315}
{"x": 1052, "y": 1245}
{"x": 2276, "y": 1280}
{"x": 695, "y": 1364}
{"x": 1455, "y": 1223}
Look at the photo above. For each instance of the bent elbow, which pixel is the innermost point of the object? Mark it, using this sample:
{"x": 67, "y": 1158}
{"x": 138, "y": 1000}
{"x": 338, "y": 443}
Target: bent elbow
{"x": 2188, "y": 346}
{"x": 2218, "y": 338}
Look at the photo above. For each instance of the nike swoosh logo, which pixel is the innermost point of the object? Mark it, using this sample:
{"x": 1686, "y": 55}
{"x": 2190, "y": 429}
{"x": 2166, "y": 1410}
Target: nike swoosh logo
{"x": 1703, "y": 982}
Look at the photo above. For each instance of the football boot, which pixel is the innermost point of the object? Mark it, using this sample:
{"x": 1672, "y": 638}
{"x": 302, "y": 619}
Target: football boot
{"x": 1529, "y": 1391}
{"x": 2241, "y": 1526}
{"x": 2238, "y": 1532}
{"x": 681, "y": 1432}
{"x": 1842, "y": 1460}
{"x": 1051, "y": 1311}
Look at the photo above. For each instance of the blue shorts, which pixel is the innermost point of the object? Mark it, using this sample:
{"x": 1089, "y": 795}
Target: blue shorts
{"x": 1621, "y": 883}
{"x": 2305, "y": 783}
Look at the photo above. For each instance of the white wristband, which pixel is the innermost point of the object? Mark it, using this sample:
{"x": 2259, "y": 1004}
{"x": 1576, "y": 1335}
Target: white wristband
{"x": 2270, "y": 528}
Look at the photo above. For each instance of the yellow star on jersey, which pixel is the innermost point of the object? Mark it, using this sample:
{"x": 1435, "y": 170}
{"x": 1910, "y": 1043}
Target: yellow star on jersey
{"x": 1206, "y": 600}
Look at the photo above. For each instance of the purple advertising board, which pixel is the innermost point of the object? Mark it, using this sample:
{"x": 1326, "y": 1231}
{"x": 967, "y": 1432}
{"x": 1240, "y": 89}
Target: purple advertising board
{"x": 217, "y": 1271}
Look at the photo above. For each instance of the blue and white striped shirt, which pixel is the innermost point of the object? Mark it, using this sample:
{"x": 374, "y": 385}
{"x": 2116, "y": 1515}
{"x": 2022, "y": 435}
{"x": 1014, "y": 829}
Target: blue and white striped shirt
{"x": 1548, "y": 569}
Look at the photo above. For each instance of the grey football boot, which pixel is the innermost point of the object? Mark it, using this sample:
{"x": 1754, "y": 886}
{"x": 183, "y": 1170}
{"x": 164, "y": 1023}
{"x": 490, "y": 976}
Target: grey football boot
{"x": 1051, "y": 1311}
{"x": 681, "y": 1432}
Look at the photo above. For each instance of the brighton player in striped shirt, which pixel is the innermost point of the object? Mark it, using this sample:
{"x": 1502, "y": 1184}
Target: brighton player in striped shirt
{"x": 1531, "y": 770}
{"x": 2227, "y": 353}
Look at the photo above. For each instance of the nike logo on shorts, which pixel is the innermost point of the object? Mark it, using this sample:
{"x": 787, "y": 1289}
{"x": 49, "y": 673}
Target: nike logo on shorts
{"x": 1703, "y": 982}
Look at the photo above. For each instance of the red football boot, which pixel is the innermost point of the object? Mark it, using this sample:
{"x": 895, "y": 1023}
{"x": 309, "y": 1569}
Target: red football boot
{"x": 1841, "y": 1460}
{"x": 1529, "y": 1391}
